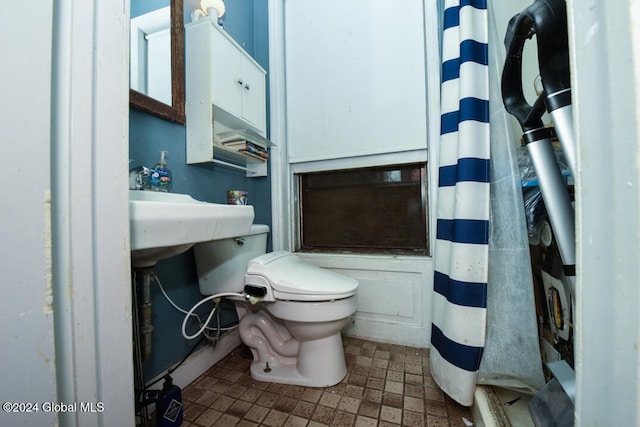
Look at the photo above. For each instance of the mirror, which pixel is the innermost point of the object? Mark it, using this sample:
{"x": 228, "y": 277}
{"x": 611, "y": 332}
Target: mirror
{"x": 157, "y": 69}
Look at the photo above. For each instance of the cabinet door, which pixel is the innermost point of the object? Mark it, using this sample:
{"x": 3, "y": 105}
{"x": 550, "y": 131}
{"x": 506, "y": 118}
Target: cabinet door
{"x": 226, "y": 74}
{"x": 254, "y": 101}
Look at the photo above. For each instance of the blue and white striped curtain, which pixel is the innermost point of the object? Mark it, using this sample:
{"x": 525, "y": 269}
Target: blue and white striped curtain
{"x": 461, "y": 251}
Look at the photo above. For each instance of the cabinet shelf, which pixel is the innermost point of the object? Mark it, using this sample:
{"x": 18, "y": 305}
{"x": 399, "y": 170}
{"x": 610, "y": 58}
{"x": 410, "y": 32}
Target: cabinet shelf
{"x": 254, "y": 165}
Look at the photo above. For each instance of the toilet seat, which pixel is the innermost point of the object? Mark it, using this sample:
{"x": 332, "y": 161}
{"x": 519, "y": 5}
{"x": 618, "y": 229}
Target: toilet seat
{"x": 287, "y": 277}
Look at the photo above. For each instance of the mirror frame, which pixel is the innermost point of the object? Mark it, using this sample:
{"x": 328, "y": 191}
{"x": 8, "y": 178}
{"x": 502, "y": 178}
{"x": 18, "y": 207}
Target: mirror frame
{"x": 175, "y": 112}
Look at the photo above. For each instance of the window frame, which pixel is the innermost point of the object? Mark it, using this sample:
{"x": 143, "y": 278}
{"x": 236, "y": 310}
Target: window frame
{"x": 424, "y": 204}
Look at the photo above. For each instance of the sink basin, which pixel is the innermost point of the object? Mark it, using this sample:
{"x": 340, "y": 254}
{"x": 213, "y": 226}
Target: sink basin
{"x": 166, "y": 224}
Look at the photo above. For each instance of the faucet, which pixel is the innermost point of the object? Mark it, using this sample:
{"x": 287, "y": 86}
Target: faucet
{"x": 140, "y": 178}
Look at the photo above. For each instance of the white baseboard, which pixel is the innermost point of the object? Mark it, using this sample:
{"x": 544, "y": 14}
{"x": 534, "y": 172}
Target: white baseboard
{"x": 203, "y": 359}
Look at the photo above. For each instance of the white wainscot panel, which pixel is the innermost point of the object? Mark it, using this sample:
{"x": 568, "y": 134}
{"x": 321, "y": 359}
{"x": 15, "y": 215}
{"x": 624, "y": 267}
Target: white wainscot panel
{"x": 387, "y": 295}
{"x": 393, "y": 299}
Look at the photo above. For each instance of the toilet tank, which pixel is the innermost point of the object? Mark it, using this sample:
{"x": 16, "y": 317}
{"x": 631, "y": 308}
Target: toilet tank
{"x": 222, "y": 264}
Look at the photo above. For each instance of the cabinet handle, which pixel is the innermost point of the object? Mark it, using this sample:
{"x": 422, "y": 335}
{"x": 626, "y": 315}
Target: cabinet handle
{"x": 240, "y": 82}
{"x": 246, "y": 86}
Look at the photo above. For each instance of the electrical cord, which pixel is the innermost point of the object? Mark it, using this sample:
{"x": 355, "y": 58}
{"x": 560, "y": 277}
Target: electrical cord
{"x": 172, "y": 369}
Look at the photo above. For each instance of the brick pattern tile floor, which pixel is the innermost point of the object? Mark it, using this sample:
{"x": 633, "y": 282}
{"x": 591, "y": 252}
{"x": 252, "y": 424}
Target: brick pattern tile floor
{"x": 386, "y": 385}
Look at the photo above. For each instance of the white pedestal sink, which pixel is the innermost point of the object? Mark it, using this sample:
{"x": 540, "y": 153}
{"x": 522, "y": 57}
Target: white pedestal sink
{"x": 166, "y": 224}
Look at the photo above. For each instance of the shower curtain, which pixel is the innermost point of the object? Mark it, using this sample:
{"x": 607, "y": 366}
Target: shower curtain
{"x": 461, "y": 249}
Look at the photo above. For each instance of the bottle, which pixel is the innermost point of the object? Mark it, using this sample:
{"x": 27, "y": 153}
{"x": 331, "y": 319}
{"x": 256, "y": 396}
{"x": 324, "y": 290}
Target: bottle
{"x": 161, "y": 176}
{"x": 169, "y": 406}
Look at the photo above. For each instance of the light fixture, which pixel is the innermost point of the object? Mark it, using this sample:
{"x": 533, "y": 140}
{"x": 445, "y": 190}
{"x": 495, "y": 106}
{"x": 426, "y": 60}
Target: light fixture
{"x": 213, "y": 8}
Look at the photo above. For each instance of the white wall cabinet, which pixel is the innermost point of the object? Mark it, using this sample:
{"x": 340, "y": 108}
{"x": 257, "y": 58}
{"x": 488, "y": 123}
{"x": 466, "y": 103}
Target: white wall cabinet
{"x": 225, "y": 90}
{"x": 237, "y": 83}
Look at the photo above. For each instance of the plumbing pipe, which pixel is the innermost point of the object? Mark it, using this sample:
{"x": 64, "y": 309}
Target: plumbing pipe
{"x": 145, "y": 306}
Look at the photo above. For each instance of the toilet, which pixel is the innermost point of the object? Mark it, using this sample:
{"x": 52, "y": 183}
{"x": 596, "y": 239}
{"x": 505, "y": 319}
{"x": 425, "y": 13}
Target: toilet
{"x": 291, "y": 313}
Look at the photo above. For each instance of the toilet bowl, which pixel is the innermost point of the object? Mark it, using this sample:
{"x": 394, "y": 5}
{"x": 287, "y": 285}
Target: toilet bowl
{"x": 292, "y": 312}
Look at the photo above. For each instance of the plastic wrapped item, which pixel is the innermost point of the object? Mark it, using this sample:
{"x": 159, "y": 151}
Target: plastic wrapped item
{"x": 525, "y": 165}
{"x": 534, "y": 209}
{"x": 527, "y": 170}
{"x": 534, "y": 212}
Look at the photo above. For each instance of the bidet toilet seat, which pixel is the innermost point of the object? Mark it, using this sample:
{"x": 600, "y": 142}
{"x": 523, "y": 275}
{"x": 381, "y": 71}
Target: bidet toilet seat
{"x": 286, "y": 277}
{"x": 312, "y": 312}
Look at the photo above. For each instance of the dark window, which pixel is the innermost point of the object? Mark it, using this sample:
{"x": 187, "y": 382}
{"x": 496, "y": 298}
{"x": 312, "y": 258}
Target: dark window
{"x": 381, "y": 209}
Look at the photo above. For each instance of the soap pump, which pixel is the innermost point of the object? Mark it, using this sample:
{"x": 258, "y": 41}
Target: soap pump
{"x": 161, "y": 176}
{"x": 169, "y": 411}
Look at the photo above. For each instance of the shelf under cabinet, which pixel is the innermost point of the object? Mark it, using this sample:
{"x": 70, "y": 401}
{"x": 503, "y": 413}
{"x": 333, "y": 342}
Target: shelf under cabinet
{"x": 255, "y": 166}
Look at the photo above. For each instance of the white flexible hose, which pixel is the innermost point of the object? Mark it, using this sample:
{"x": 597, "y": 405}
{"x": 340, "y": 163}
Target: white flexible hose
{"x": 206, "y": 323}
{"x": 181, "y": 310}
{"x": 190, "y": 313}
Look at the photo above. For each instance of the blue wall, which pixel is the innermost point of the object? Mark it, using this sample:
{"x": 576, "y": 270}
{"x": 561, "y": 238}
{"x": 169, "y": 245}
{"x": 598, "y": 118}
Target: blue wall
{"x": 246, "y": 22}
{"x": 140, "y": 7}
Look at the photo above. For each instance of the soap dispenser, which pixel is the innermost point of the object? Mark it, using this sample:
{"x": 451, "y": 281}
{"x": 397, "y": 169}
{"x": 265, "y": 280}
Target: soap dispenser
{"x": 161, "y": 176}
{"x": 169, "y": 411}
